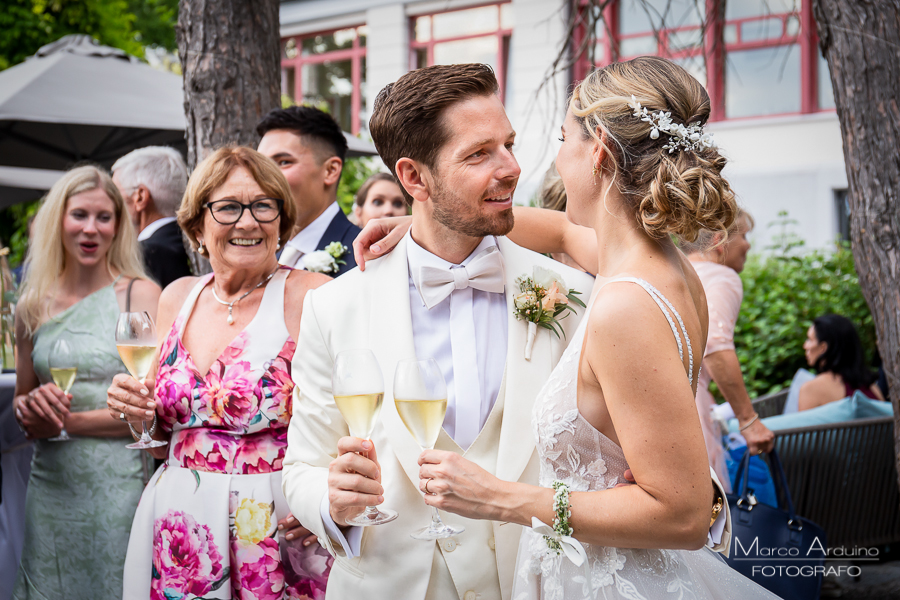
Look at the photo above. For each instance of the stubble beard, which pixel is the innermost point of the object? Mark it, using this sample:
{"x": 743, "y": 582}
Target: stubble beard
{"x": 457, "y": 215}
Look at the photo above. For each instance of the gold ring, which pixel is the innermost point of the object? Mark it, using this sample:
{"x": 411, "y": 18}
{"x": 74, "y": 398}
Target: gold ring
{"x": 760, "y": 452}
{"x": 426, "y": 488}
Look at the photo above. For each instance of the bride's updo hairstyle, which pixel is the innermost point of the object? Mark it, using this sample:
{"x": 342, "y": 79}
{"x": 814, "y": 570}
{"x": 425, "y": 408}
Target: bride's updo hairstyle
{"x": 680, "y": 193}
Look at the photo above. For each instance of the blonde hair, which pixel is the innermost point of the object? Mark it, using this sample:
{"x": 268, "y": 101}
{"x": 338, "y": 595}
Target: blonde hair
{"x": 707, "y": 240}
{"x": 46, "y": 259}
{"x": 553, "y": 191}
{"x": 212, "y": 173}
{"x": 679, "y": 193}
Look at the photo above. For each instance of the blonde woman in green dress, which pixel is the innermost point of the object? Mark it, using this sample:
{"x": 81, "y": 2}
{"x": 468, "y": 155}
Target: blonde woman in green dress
{"x": 82, "y": 493}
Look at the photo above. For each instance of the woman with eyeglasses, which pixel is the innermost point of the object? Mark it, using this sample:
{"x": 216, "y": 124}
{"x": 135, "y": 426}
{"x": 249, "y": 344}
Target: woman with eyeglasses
{"x": 213, "y": 522}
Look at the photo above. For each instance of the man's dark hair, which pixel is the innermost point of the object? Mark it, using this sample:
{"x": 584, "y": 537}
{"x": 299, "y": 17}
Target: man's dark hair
{"x": 316, "y": 127}
{"x": 407, "y": 116}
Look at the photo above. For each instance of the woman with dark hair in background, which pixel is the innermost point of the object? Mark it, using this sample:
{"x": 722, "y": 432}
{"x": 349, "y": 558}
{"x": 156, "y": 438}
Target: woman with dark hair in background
{"x": 833, "y": 348}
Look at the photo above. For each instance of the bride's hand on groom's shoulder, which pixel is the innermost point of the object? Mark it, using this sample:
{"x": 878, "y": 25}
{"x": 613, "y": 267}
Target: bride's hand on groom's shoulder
{"x": 354, "y": 480}
{"x": 458, "y": 485}
{"x": 379, "y": 237}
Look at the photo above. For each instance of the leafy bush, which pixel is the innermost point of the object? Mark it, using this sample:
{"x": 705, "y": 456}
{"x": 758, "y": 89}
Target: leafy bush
{"x": 356, "y": 171}
{"x": 783, "y": 293}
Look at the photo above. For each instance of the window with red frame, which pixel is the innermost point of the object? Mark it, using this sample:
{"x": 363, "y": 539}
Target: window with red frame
{"x": 468, "y": 35}
{"x": 759, "y": 58}
{"x": 328, "y": 69}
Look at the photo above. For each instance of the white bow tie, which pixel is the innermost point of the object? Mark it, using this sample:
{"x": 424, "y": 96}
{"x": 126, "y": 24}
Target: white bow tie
{"x": 484, "y": 272}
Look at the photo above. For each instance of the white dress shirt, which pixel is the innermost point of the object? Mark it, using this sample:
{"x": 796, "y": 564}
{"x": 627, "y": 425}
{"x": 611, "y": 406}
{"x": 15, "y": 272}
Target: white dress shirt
{"x": 152, "y": 228}
{"x": 433, "y": 337}
{"x": 308, "y": 238}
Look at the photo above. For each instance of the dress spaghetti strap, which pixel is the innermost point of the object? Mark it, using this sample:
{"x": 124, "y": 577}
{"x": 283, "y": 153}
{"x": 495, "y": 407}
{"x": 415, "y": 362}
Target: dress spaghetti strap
{"x": 665, "y": 306}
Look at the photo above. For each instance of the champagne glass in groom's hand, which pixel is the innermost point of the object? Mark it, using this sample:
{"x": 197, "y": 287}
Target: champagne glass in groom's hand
{"x": 358, "y": 388}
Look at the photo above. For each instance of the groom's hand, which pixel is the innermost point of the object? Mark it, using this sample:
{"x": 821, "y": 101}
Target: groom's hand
{"x": 354, "y": 480}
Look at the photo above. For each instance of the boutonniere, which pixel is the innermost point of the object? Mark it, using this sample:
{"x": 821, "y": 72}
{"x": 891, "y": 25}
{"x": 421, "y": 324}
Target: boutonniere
{"x": 327, "y": 260}
{"x": 542, "y": 301}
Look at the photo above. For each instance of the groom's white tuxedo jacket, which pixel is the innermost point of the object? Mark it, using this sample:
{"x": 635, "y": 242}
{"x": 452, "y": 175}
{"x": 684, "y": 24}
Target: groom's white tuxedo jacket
{"x": 372, "y": 310}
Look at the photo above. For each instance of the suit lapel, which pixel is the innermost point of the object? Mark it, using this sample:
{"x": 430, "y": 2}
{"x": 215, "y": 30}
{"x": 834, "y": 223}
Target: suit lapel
{"x": 391, "y": 338}
{"x": 523, "y": 378}
{"x": 335, "y": 230}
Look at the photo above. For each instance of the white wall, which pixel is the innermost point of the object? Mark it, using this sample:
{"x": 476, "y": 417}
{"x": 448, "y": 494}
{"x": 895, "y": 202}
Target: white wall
{"x": 786, "y": 163}
{"x": 539, "y": 25}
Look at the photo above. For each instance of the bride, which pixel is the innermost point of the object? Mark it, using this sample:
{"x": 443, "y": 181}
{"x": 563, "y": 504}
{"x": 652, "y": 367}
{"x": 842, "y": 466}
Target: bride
{"x": 637, "y": 169}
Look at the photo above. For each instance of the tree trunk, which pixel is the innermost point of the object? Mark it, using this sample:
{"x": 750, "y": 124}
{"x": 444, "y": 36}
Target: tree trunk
{"x": 229, "y": 53}
{"x": 861, "y": 42}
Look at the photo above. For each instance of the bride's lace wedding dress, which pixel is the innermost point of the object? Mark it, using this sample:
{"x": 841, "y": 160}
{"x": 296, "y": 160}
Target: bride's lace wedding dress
{"x": 572, "y": 451}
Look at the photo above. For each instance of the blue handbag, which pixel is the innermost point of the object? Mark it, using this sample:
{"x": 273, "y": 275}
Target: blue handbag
{"x": 774, "y": 547}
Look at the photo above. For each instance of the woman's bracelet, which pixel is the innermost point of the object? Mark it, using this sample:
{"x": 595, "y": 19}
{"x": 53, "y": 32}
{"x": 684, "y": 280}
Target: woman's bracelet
{"x": 750, "y": 422}
{"x": 563, "y": 512}
{"x": 150, "y": 431}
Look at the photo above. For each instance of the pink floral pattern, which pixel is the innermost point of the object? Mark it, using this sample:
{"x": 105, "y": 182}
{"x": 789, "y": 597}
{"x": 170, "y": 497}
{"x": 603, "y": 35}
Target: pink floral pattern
{"x": 185, "y": 558}
{"x": 232, "y": 420}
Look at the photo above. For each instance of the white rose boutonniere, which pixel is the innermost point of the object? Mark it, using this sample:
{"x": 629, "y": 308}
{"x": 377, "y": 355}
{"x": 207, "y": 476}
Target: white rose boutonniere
{"x": 327, "y": 260}
{"x": 543, "y": 300}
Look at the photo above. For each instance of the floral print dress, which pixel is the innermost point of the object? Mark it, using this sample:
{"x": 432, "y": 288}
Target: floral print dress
{"x": 206, "y": 525}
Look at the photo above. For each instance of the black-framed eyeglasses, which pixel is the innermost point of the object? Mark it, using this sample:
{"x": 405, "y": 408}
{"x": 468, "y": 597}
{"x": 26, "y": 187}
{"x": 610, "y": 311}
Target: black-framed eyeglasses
{"x": 229, "y": 212}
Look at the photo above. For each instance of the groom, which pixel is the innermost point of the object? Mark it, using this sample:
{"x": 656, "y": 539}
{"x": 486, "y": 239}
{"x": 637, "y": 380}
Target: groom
{"x": 446, "y": 292}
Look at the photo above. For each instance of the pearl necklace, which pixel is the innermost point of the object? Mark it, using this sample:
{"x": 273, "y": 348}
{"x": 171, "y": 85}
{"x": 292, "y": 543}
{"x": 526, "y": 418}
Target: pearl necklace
{"x": 230, "y": 305}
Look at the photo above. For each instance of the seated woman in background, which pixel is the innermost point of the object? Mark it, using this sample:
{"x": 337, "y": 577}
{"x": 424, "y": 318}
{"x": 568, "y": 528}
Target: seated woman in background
{"x": 378, "y": 197}
{"x": 833, "y": 348}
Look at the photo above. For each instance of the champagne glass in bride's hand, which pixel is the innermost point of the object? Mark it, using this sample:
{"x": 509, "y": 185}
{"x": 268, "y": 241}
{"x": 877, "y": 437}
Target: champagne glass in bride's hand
{"x": 136, "y": 343}
{"x": 358, "y": 388}
{"x": 420, "y": 396}
{"x": 63, "y": 368}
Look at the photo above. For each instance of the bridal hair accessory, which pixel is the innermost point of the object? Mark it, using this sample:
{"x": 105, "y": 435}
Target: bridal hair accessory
{"x": 690, "y": 137}
{"x": 542, "y": 301}
{"x": 327, "y": 260}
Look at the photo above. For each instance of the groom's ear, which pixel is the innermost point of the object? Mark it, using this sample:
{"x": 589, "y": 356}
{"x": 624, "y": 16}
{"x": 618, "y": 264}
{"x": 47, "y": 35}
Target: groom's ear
{"x": 414, "y": 178}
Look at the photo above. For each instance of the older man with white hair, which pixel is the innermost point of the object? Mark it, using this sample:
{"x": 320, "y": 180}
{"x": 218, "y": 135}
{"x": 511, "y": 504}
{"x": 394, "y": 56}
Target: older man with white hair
{"x": 152, "y": 181}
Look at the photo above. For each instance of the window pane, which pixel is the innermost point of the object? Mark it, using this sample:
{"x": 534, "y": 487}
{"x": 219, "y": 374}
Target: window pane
{"x": 731, "y": 34}
{"x": 763, "y": 29}
{"x": 685, "y": 40}
{"x": 695, "y": 65}
{"x": 639, "y": 45}
{"x": 288, "y": 82}
{"x": 289, "y": 49}
{"x": 339, "y": 40}
{"x": 759, "y": 8}
{"x": 762, "y": 82}
{"x": 826, "y": 92}
{"x": 477, "y": 50}
{"x": 363, "y": 33}
{"x": 363, "y": 94}
{"x": 421, "y": 58}
{"x": 330, "y": 84}
{"x": 506, "y": 16}
{"x": 793, "y": 25}
{"x": 466, "y": 22}
{"x": 423, "y": 29}
{"x": 638, "y": 16}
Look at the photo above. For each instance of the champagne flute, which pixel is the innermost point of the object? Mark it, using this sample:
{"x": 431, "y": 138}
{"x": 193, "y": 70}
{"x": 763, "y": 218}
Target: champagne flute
{"x": 358, "y": 388}
{"x": 420, "y": 396}
{"x": 63, "y": 368}
{"x": 136, "y": 343}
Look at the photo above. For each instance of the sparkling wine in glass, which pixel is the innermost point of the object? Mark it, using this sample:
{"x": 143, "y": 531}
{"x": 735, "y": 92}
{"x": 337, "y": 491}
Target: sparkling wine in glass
{"x": 358, "y": 388}
{"x": 136, "y": 343}
{"x": 420, "y": 396}
{"x": 63, "y": 368}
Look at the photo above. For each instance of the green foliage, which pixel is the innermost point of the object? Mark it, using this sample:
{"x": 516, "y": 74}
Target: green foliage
{"x": 154, "y": 22}
{"x": 356, "y": 171}
{"x": 783, "y": 292}
{"x": 29, "y": 24}
{"x": 14, "y": 230}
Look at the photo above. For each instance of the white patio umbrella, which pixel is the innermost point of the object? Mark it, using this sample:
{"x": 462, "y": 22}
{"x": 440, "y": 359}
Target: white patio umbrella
{"x": 75, "y": 101}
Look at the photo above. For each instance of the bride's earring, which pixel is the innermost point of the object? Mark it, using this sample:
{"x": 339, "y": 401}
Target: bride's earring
{"x": 594, "y": 172}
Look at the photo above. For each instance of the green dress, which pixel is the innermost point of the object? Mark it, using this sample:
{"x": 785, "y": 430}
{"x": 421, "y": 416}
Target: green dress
{"x": 82, "y": 494}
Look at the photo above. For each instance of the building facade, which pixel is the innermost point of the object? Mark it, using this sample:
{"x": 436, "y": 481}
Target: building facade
{"x": 772, "y": 104}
